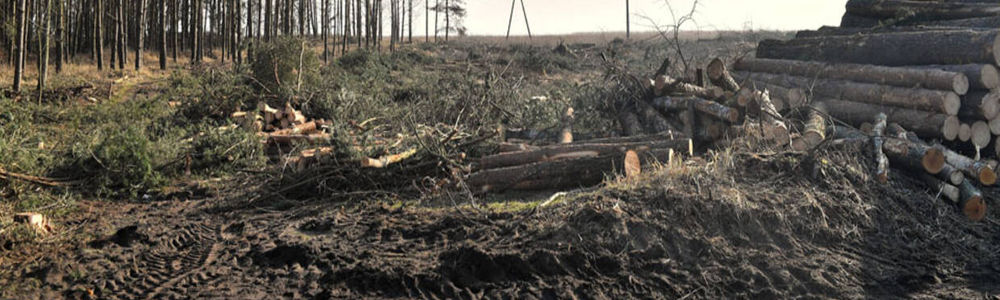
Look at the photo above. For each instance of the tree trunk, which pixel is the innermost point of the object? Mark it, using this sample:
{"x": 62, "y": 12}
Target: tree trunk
{"x": 99, "y": 34}
{"x": 926, "y": 124}
{"x": 815, "y": 128}
{"x": 981, "y": 22}
{"x": 891, "y": 49}
{"x": 894, "y": 76}
{"x": 45, "y": 17}
{"x": 851, "y": 20}
{"x": 979, "y": 170}
{"x": 568, "y": 173}
{"x": 826, "y": 31}
{"x": 914, "y": 156}
{"x": 163, "y": 34}
{"x": 922, "y": 99}
{"x": 711, "y": 108}
{"x": 569, "y": 151}
{"x": 881, "y": 161}
{"x": 720, "y": 76}
{"x": 920, "y": 10}
{"x": 950, "y": 192}
{"x": 140, "y": 35}
{"x": 985, "y": 77}
{"x": 21, "y": 19}
{"x": 174, "y": 29}
{"x": 980, "y": 105}
{"x": 61, "y": 36}
{"x": 971, "y": 202}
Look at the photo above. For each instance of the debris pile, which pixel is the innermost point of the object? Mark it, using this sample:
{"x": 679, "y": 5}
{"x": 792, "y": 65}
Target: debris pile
{"x": 918, "y": 78}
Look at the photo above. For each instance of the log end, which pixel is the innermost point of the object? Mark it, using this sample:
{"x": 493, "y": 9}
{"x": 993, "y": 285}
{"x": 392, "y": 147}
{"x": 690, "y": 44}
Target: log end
{"x": 716, "y": 69}
{"x": 960, "y": 84}
{"x": 974, "y": 208}
{"x": 964, "y": 133}
{"x": 990, "y": 76}
{"x": 952, "y": 103}
{"x": 990, "y": 105}
{"x": 995, "y": 126}
{"x": 933, "y": 161}
{"x": 633, "y": 168}
{"x": 950, "y": 128}
{"x": 956, "y": 178}
{"x": 996, "y": 50}
{"x": 981, "y": 134}
{"x": 987, "y": 176}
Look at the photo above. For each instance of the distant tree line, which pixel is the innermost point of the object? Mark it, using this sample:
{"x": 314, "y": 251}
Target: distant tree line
{"x": 114, "y": 33}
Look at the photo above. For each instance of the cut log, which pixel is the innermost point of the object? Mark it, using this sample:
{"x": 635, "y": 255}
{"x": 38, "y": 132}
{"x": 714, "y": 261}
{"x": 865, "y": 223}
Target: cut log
{"x": 304, "y": 128}
{"x": 841, "y": 132}
{"x": 914, "y": 156}
{"x": 851, "y": 20}
{"x": 841, "y": 31}
{"x": 951, "y": 175}
{"x": 965, "y": 132}
{"x": 37, "y": 222}
{"x": 980, "y": 105}
{"x": 881, "y": 161}
{"x": 815, "y": 129}
{"x": 633, "y": 167}
{"x": 920, "y": 10}
{"x": 559, "y": 152}
{"x": 653, "y": 121}
{"x": 384, "y": 161}
{"x": 979, "y": 170}
{"x": 566, "y": 136}
{"x": 293, "y": 138}
{"x": 921, "y": 99}
{"x": 926, "y": 124}
{"x": 981, "y": 76}
{"x": 629, "y": 122}
{"x": 894, "y": 76}
{"x": 270, "y": 114}
{"x": 950, "y": 192}
{"x": 505, "y": 147}
{"x": 980, "y": 22}
{"x": 971, "y": 202}
{"x": 714, "y": 109}
{"x": 666, "y": 85}
{"x": 783, "y": 97}
{"x": 720, "y": 76}
{"x": 668, "y": 135}
{"x": 891, "y": 49}
{"x": 568, "y": 173}
{"x": 981, "y": 135}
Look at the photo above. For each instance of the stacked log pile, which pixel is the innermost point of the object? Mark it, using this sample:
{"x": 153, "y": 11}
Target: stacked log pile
{"x": 919, "y": 78}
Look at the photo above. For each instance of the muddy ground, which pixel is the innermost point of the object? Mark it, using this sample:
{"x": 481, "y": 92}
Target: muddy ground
{"x": 740, "y": 225}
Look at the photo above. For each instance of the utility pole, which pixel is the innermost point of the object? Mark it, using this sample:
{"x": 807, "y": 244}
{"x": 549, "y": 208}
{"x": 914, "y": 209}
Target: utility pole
{"x": 628, "y": 22}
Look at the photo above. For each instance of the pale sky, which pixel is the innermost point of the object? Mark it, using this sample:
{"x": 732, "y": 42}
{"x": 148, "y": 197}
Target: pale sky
{"x": 489, "y": 17}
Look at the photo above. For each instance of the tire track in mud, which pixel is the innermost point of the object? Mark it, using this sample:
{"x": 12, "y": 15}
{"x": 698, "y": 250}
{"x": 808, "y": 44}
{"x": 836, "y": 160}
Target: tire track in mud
{"x": 173, "y": 263}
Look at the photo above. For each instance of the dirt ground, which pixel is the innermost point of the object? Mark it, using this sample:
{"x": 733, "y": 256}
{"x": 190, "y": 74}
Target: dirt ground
{"x": 741, "y": 222}
{"x": 744, "y": 226}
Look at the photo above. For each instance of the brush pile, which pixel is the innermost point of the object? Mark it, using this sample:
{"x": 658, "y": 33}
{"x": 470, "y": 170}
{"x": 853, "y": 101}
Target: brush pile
{"x": 918, "y": 78}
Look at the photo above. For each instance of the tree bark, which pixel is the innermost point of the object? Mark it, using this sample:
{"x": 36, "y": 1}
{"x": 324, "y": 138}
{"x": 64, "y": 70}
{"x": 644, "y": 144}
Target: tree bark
{"x": 950, "y": 192}
{"x": 980, "y": 170}
{"x": 21, "y": 44}
{"x": 881, "y": 161}
{"x": 140, "y": 35}
{"x": 981, "y": 76}
{"x": 851, "y": 20}
{"x": 568, "y": 173}
{"x": 720, "y": 76}
{"x": 815, "y": 128}
{"x": 894, "y": 76}
{"x": 914, "y": 156}
{"x": 922, "y": 99}
{"x": 891, "y": 49}
{"x": 163, "y": 34}
{"x": 826, "y": 31}
{"x": 926, "y": 124}
{"x": 569, "y": 151}
{"x": 971, "y": 202}
{"x": 980, "y": 22}
{"x": 979, "y": 105}
{"x": 706, "y": 107}
{"x": 920, "y": 10}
